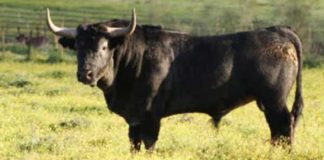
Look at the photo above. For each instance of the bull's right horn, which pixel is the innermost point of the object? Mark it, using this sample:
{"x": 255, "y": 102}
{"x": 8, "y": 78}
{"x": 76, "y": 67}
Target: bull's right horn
{"x": 124, "y": 31}
{"x": 60, "y": 31}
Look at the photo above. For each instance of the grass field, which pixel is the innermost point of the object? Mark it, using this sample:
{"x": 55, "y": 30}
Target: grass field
{"x": 46, "y": 114}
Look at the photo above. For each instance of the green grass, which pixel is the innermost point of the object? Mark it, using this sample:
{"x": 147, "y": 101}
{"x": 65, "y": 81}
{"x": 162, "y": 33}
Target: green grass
{"x": 46, "y": 114}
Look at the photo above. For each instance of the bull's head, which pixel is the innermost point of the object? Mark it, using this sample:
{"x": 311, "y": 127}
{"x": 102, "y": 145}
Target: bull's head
{"x": 94, "y": 52}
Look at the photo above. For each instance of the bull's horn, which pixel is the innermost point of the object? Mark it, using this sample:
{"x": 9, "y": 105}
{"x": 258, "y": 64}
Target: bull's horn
{"x": 65, "y": 32}
{"x": 119, "y": 31}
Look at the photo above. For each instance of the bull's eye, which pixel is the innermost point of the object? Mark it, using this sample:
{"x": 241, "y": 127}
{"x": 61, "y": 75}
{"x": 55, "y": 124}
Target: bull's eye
{"x": 103, "y": 44}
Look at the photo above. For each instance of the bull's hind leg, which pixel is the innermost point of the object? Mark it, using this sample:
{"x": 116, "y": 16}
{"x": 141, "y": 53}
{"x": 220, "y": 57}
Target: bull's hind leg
{"x": 279, "y": 120}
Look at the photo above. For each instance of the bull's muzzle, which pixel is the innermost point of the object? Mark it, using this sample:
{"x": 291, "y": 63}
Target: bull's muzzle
{"x": 86, "y": 77}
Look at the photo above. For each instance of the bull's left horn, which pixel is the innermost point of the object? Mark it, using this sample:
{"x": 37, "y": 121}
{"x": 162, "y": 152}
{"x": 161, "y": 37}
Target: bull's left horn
{"x": 65, "y": 32}
{"x": 119, "y": 31}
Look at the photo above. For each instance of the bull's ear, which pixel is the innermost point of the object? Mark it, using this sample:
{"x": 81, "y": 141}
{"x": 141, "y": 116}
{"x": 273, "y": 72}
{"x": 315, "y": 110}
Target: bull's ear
{"x": 67, "y": 42}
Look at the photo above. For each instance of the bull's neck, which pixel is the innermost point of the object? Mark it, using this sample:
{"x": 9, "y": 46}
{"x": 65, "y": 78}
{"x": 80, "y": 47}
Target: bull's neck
{"x": 126, "y": 66}
{"x": 128, "y": 57}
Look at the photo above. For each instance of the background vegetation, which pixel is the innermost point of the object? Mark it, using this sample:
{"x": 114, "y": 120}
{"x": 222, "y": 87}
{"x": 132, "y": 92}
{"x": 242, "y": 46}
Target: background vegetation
{"x": 46, "y": 114}
{"x": 204, "y": 17}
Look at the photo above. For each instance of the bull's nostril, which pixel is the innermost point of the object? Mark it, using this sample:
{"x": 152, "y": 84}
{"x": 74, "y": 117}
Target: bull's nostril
{"x": 89, "y": 75}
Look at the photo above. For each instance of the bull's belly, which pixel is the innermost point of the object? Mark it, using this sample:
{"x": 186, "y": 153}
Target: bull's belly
{"x": 209, "y": 104}
{"x": 189, "y": 105}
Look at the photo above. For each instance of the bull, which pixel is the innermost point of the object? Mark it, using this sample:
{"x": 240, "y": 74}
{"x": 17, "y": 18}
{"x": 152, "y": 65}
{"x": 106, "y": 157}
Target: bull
{"x": 147, "y": 73}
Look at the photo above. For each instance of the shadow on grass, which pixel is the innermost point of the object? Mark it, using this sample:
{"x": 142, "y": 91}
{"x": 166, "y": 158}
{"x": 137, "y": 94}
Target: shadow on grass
{"x": 70, "y": 124}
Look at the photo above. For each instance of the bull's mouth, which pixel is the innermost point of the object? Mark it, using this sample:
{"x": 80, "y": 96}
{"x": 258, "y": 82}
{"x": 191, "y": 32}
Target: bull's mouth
{"x": 91, "y": 83}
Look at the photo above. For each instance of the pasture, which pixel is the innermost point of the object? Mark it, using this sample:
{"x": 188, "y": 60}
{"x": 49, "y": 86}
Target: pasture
{"x": 47, "y": 114}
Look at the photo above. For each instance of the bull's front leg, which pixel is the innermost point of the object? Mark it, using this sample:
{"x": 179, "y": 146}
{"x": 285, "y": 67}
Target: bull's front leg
{"x": 150, "y": 130}
{"x": 144, "y": 125}
{"x": 149, "y": 98}
{"x": 147, "y": 122}
{"x": 147, "y": 131}
{"x": 134, "y": 134}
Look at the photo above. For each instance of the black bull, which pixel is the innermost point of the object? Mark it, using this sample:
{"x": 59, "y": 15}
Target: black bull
{"x": 154, "y": 73}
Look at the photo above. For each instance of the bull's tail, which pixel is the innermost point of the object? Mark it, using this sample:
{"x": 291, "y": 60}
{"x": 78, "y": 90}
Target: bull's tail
{"x": 298, "y": 103}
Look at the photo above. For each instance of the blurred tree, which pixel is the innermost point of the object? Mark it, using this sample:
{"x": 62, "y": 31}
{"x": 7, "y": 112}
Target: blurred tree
{"x": 297, "y": 14}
